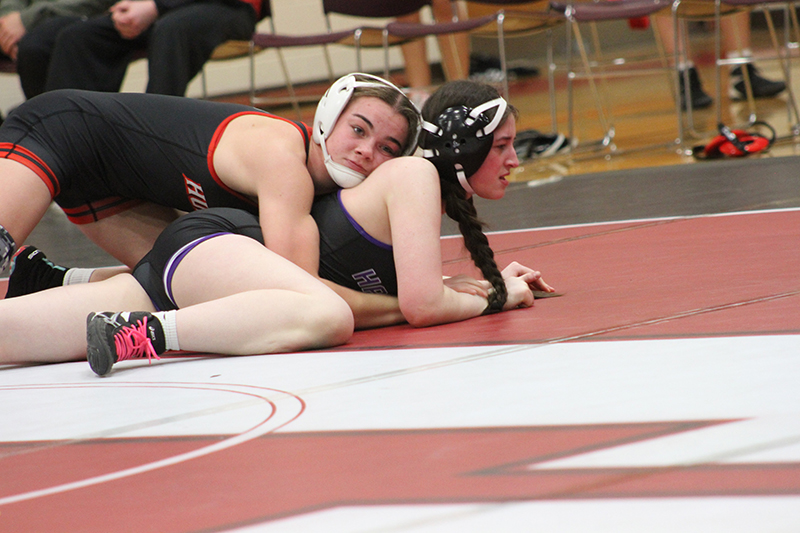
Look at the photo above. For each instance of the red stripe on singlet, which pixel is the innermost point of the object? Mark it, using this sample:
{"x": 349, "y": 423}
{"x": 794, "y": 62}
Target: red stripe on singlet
{"x": 218, "y": 136}
{"x": 94, "y": 211}
{"x": 22, "y": 155}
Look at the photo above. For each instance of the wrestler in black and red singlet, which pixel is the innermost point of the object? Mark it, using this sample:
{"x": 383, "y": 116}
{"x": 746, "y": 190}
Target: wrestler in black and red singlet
{"x": 101, "y": 153}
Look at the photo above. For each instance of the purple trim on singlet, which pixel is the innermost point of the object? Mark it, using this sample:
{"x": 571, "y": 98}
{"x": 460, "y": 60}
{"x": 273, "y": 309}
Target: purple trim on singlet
{"x": 358, "y": 227}
{"x": 176, "y": 259}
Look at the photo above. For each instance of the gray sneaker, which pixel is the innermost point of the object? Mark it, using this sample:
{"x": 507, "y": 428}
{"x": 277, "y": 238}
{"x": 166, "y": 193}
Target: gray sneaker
{"x": 113, "y": 337}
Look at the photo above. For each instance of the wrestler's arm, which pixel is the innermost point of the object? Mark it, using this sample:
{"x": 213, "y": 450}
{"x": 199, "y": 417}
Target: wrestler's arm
{"x": 291, "y": 231}
{"x": 289, "y": 228}
{"x": 400, "y": 203}
{"x": 287, "y": 225}
{"x": 369, "y": 310}
{"x": 265, "y": 158}
{"x": 278, "y": 176}
{"x": 413, "y": 202}
{"x": 381, "y": 310}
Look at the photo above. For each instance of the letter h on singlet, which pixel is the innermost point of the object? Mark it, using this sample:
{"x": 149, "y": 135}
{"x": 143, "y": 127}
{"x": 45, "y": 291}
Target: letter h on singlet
{"x": 368, "y": 281}
{"x": 195, "y": 193}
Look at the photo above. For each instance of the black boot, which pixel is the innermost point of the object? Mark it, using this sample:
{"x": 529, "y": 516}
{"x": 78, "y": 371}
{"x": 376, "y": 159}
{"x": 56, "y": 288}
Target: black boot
{"x": 699, "y": 98}
{"x": 762, "y": 87}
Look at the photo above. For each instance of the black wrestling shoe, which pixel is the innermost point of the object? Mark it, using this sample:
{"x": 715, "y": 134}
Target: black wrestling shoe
{"x": 698, "y": 97}
{"x": 113, "y": 337}
{"x": 762, "y": 87}
{"x": 31, "y": 272}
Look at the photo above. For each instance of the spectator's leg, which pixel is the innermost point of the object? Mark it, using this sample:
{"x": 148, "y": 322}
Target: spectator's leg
{"x": 415, "y": 57}
{"x": 183, "y": 39}
{"x": 736, "y": 39}
{"x": 453, "y": 47}
{"x": 91, "y": 55}
{"x": 35, "y": 50}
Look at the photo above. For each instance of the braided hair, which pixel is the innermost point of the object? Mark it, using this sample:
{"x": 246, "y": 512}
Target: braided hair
{"x": 455, "y": 141}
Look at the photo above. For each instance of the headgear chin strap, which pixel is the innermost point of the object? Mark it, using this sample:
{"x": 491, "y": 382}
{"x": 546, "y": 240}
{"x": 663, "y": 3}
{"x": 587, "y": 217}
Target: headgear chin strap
{"x": 459, "y": 139}
{"x": 345, "y": 177}
{"x": 329, "y": 109}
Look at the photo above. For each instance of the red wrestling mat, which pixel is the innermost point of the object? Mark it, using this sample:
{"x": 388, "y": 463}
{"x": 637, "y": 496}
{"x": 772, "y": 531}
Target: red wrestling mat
{"x": 735, "y": 274}
{"x": 471, "y": 465}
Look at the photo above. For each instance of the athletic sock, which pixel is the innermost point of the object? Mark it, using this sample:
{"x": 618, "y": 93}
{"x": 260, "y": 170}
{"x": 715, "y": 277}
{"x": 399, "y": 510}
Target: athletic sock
{"x": 170, "y": 327}
{"x": 74, "y": 276}
{"x": 31, "y": 272}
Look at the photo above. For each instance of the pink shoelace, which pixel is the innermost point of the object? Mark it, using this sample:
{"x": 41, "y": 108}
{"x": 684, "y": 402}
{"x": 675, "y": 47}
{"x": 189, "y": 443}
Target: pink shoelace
{"x": 132, "y": 342}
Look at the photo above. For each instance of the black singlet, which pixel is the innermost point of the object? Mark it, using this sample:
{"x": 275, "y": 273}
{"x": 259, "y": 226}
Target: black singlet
{"x": 348, "y": 255}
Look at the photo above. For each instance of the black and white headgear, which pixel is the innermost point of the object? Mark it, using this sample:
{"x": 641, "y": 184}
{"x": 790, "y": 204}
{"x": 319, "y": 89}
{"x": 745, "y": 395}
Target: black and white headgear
{"x": 329, "y": 109}
{"x": 459, "y": 139}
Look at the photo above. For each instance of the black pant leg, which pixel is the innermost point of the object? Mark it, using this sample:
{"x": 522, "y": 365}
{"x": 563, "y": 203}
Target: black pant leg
{"x": 182, "y": 41}
{"x": 91, "y": 55}
{"x": 35, "y": 50}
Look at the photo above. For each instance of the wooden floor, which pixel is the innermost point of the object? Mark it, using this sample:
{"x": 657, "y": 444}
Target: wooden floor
{"x": 645, "y": 122}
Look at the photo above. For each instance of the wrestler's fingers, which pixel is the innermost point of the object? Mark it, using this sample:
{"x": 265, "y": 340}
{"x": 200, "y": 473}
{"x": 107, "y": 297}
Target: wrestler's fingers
{"x": 534, "y": 279}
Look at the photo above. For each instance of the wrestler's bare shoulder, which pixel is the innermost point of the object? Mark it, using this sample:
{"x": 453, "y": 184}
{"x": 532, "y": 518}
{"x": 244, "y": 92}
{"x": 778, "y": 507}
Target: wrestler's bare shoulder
{"x": 409, "y": 163}
{"x": 265, "y": 132}
{"x": 405, "y": 168}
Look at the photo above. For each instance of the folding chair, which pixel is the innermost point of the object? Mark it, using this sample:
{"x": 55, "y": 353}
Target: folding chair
{"x": 595, "y": 12}
{"x": 235, "y": 49}
{"x": 360, "y": 36}
{"x": 507, "y": 19}
{"x": 372, "y": 36}
{"x": 688, "y": 10}
{"x": 782, "y": 53}
{"x": 265, "y": 41}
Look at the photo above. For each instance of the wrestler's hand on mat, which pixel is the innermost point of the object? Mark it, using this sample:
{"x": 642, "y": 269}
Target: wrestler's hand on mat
{"x": 519, "y": 293}
{"x": 532, "y": 277}
{"x": 468, "y": 285}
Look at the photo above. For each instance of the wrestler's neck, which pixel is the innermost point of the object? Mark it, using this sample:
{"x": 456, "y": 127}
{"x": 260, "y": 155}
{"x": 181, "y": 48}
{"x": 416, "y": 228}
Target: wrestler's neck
{"x": 323, "y": 183}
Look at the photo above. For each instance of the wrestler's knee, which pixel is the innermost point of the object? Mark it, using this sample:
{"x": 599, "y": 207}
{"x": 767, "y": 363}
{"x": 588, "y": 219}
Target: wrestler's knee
{"x": 332, "y": 320}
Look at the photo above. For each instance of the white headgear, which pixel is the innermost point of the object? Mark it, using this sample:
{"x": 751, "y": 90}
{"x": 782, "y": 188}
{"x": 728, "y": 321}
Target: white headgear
{"x": 329, "y": 109}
